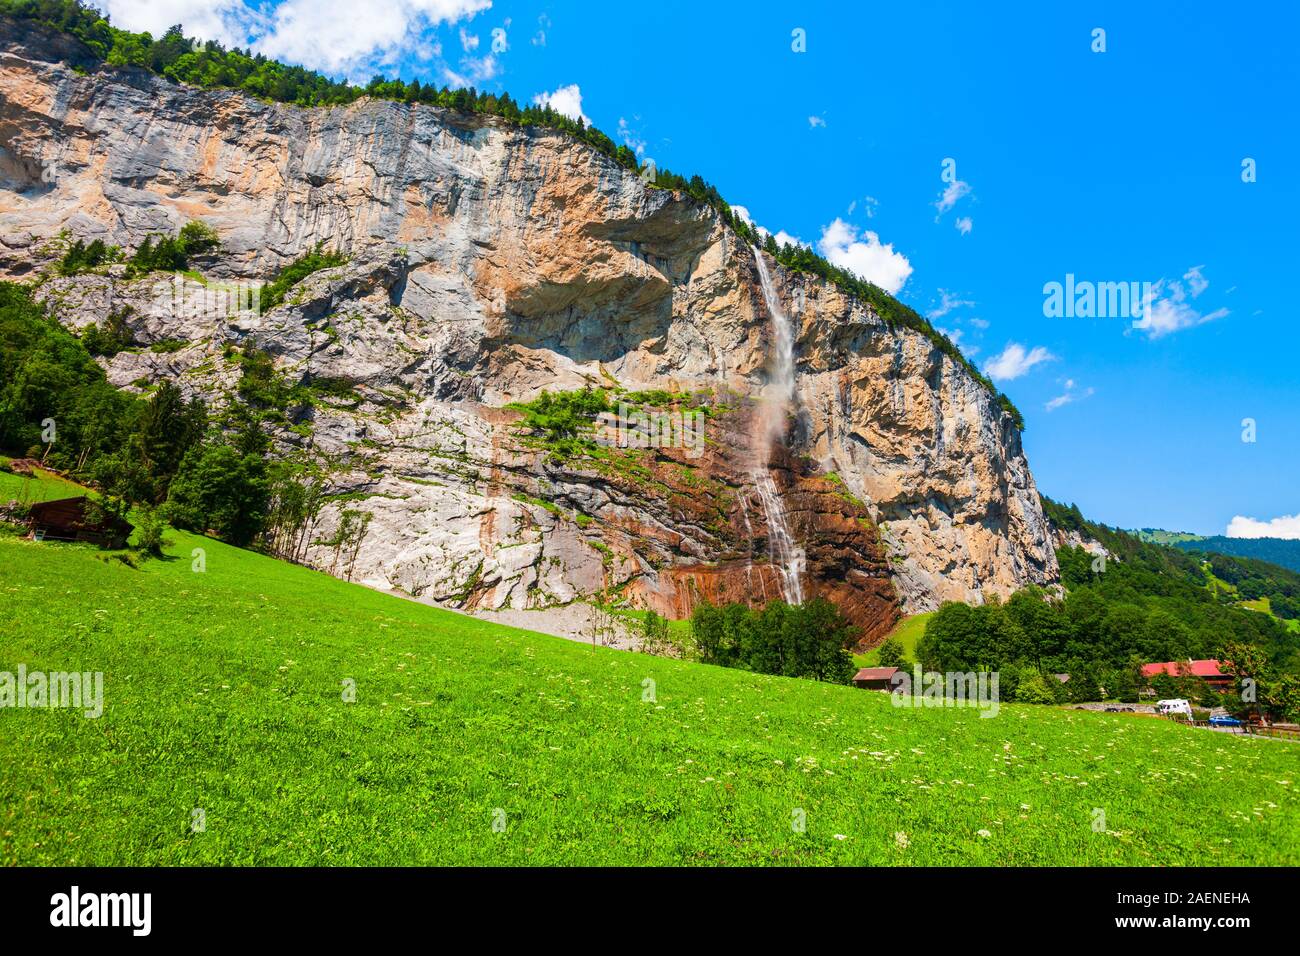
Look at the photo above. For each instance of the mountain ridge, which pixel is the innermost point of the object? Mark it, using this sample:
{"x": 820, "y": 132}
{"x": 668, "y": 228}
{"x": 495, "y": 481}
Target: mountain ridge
{"x": 488, "y": 264}
{"x": 1284, "y": 552}
{"x": 88, "y": 41}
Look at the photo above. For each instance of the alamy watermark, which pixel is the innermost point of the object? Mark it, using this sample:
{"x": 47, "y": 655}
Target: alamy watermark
{"x": 1084, "y": 299}
{"x": 55, "y": 689}
{"x": 978, "y": 689}
{"x": 129, "y": 910}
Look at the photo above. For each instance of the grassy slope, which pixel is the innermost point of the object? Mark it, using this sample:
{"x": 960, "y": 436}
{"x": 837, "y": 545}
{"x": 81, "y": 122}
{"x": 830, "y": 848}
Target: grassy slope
{"x": 679, "y": 630}
{"x": 1160, "y": 536}
{"x": 907, "y": 632}
{"x": 47, "y": 486}
{"x": 223, "y": 692}
{"x": 1263, "y": 604}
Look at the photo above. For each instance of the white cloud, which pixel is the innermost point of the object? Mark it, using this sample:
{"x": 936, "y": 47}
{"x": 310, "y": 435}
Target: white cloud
{"x": 1170, "y": 316}
{"x": 869, "y": 204}
{"x": 781, "y": 236}
{"x": 1071, "y": 394}
{"x": 815, "y": 121}
{"x": 980, "y": 323}
{"x": 631, "y": 138}
{"x": 468, "y": 41}
{"x": 229, "y": 22}
{"x": 357, "y": 37}
{"x": 866, "y": 256}
{"x": 964, "y": 225}
{"x": 566, "y": 100}
{"x": 427, "y": 49}
{"x": 1287, "y": 526}
{"x": 349, "y": 38}
{"x": 1167, "y": 309}
{"x": 947, "y": 303}
{"x": 1015, "y": 361}
{"x": 955, "y": 191}
{"x": 473, "y": 70}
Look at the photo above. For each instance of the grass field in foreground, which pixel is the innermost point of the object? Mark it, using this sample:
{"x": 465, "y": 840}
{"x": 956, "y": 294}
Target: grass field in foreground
{"x": 223, "y": 692}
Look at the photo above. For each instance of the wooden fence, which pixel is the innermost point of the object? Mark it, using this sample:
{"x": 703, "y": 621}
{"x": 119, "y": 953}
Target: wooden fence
{"x": 1279, "y": 732}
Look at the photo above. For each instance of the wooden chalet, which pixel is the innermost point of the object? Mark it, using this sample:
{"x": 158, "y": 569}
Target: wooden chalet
{"x": 72, "y": 519}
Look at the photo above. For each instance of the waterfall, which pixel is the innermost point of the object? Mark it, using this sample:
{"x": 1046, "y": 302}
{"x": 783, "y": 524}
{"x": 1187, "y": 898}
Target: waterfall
{"x": 787, "y": 556}
{"x": 785, "y": 553}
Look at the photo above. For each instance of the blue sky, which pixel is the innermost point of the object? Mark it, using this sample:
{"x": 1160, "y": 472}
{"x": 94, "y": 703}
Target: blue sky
{"x": 1115, "y": 166}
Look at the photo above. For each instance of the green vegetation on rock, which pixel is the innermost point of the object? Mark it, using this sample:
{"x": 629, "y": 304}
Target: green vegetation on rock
{"x": 273, "y": 292}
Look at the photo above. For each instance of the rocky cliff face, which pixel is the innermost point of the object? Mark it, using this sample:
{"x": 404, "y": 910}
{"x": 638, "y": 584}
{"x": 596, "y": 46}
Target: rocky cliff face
{"x": 1062, "y": 538}
{"x": 486, "y": 264}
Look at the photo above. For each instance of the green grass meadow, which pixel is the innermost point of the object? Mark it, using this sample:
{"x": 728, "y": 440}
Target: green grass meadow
{"x": 224, "y": 692}
{"x": 46, "y": 486}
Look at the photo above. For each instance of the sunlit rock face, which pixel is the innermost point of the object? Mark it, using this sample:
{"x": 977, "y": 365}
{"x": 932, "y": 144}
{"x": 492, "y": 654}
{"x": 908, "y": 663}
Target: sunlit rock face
{"x": 487, "y": 264}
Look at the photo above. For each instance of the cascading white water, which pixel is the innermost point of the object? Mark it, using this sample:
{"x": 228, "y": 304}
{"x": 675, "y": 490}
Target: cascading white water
{"x": 784, "y": 551}
{"x": 787, "y": 556}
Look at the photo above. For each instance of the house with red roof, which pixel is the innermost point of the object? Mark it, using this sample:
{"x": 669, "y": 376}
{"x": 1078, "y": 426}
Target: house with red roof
{"x": 1210, "y": 671}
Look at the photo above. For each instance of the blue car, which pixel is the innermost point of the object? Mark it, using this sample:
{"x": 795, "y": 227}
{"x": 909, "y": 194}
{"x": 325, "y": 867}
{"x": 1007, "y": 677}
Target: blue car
{"x": 1223, "y": 720}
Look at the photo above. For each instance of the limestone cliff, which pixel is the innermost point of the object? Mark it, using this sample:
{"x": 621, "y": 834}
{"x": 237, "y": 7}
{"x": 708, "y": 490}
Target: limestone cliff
{"x": 486, "y": 264}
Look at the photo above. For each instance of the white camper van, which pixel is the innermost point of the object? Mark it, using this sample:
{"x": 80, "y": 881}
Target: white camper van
{"x": 1178, "y": 705}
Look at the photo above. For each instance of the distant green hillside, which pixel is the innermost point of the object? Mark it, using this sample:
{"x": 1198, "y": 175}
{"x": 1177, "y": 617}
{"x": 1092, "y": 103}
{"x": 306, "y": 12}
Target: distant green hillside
{"x": 1280, "y": 551}
{"x": 224, "y": 693}
{"x": 1159, "y": 536}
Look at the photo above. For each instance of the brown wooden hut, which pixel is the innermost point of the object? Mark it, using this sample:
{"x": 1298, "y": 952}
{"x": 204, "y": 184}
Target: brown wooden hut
{"x": 875, "y": 678}
{"x": 73, "y": 519}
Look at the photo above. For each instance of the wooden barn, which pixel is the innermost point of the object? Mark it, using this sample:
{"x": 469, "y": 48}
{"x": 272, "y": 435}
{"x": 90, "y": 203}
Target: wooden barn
{"x": 72, "y": 519}
{"x": 874, "y": 678}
